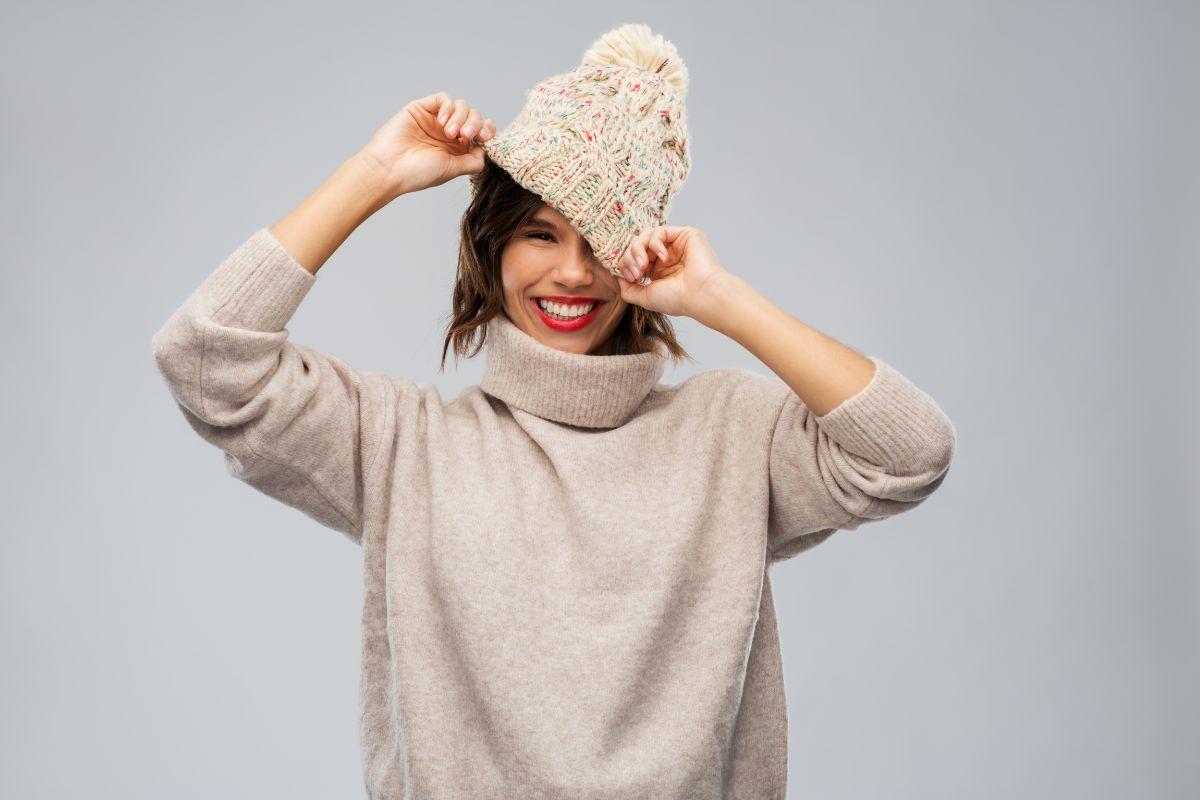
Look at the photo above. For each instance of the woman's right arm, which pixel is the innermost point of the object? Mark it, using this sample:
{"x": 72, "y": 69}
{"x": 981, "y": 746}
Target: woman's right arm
{"x": 297, "y": 424}
{"x": 317, "y": 227}
{"x": 427, "y": 143}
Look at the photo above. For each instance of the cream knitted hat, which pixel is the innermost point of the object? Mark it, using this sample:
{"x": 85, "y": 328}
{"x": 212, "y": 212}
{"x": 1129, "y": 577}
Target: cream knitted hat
{"x": 605, "y": 144}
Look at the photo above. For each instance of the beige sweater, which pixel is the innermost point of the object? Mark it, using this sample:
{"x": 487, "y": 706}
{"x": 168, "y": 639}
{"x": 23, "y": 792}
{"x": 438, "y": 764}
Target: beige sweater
{"x": 566, "y": 584}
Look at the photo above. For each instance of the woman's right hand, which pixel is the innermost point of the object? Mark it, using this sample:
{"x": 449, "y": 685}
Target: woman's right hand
{"x": 428, "y": 142}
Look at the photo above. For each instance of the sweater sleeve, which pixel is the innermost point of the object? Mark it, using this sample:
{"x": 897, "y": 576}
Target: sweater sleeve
{"x": 879, "y": 453}
{"x": 296, "y": 424}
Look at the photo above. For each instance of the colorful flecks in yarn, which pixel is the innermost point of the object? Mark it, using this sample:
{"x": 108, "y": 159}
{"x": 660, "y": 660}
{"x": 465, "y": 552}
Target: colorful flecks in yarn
{"x": 605, "y": 144}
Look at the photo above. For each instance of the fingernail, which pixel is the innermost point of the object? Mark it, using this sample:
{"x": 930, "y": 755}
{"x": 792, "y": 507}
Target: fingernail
{"x": 640, "y": 260}
{"x": 467, "y": 130}
{"x": 451, "y": 127}
{"x": 630, "y": 274}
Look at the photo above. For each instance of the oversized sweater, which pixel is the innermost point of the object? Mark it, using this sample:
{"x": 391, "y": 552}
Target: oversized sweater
{"x": 565, "y": 568}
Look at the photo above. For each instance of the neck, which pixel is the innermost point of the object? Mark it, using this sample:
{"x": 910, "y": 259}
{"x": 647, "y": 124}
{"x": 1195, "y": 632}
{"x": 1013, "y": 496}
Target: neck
{"x": 592, "y": 391}
{"x": 605, "y": 348}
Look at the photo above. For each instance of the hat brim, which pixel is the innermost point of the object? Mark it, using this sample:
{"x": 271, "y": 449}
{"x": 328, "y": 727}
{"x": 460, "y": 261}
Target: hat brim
{"x": 553, "y": 163}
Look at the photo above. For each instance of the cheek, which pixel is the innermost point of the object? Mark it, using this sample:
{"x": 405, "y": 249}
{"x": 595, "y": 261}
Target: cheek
{"x": 520, "y": 268}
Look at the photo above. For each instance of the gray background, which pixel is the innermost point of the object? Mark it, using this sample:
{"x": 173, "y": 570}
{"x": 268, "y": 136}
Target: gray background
{"x": 998, "y": 198}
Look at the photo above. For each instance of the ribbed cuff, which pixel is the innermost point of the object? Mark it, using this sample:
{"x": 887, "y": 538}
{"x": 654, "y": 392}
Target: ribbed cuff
{"x": 892, "y": 423}
{"x": 259, "y": 286}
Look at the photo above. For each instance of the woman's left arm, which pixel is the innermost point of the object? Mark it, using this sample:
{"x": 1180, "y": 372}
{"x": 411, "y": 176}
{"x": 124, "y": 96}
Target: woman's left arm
{"x": 853, "y": 439}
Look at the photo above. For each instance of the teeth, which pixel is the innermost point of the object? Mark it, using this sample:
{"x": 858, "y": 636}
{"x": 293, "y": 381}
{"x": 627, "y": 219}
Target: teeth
{"x": 565, "y": 311}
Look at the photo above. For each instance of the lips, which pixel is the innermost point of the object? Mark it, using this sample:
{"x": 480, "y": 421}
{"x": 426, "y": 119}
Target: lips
{"x": 575, "y": 324}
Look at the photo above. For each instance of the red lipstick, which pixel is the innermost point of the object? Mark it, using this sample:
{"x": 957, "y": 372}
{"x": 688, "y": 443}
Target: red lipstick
{"x": 567, "y": 325}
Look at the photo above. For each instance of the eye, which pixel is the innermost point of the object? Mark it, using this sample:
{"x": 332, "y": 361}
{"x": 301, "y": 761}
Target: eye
{"x": 535, "y": 234}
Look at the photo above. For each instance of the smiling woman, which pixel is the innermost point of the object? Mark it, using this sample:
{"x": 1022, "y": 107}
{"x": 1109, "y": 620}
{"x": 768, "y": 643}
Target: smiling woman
{"x": 565, "y": 567}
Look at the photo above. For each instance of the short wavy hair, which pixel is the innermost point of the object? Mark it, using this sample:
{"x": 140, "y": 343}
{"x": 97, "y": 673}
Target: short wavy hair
{"x": 499, "y": 206}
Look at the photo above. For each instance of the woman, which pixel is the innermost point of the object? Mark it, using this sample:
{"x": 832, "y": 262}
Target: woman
{"x": 565, "y": 567}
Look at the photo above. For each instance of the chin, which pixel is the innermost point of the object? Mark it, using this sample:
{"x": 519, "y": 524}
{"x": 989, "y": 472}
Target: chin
{"x": 582, "y": 343}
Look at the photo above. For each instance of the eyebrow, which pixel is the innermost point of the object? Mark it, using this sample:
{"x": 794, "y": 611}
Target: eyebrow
{"x": 544, "y": 224}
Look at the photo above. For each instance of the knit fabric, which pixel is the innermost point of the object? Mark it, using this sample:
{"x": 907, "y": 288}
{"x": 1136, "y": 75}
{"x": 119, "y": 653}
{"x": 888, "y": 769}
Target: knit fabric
{"x": 605, "y": 144}
{"x": 566, "y": 573}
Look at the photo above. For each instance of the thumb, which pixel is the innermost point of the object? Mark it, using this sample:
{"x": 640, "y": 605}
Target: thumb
{"x": 469, "y": 162}
{"x": 632, "y": 291}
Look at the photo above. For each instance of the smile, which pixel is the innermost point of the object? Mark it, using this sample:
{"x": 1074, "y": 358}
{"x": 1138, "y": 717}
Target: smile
{"x": 565, "y": 314}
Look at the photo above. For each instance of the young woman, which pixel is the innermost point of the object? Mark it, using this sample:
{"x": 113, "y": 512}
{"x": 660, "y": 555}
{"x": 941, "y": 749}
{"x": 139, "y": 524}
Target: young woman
{"x": 565, "y": 567}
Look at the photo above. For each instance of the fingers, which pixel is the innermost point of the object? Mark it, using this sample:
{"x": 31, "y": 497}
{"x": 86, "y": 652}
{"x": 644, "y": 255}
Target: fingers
{"x": 634, "y": 259}
{"x": 657, "y": 242}
{"x": 433, "y": 103}
{"x": 457, "y": 114}
{"x": 444, "y": 106}
{"x": 648, "y": 245}
{"x": 459, "y": 120}
{"x": 473, "y": 124}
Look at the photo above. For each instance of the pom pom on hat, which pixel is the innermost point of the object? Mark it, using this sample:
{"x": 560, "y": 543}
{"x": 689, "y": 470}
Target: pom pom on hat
{"x": 634, "y": 45}
{"x": 605, "y": 144}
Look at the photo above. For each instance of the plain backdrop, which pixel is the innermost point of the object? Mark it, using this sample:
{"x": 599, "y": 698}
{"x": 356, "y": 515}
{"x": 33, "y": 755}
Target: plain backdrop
{"x": 1000, "y": 199}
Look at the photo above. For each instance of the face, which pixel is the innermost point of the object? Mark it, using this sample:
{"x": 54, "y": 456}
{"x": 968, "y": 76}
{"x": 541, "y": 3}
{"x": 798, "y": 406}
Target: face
{"x": 548, "y": 261}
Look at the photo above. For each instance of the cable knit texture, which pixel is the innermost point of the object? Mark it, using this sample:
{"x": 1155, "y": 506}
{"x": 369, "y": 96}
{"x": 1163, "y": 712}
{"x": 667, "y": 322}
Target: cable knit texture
{"x": 566, "y": 568}
{"x": 605, "y": 144}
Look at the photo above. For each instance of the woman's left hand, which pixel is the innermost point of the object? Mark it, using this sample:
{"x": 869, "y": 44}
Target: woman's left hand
{"x": 683, "y": 269}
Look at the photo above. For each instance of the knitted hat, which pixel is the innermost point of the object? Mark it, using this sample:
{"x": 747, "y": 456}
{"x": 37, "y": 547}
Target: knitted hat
{"x": 605, "y": 144}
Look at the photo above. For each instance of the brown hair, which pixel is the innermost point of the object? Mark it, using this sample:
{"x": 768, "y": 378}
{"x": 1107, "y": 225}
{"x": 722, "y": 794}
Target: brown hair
{"x": 499, "y": 206}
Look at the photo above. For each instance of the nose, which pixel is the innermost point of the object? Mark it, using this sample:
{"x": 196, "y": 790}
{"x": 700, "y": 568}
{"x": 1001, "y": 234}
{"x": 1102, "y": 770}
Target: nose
{"x": 578, "y": 269}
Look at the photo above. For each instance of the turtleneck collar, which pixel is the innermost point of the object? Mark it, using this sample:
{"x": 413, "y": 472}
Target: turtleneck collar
{"x": 589, "y": 391}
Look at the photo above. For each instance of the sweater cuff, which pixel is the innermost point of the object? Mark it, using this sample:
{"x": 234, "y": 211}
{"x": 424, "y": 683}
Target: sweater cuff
{"x": 259, "y": 286}
{"x": 893, "y": 423}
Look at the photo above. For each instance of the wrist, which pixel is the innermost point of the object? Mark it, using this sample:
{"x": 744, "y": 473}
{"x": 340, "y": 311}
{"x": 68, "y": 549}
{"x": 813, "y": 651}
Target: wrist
{"x": 717, "y": 297}
{"x": 369, "y": 179}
